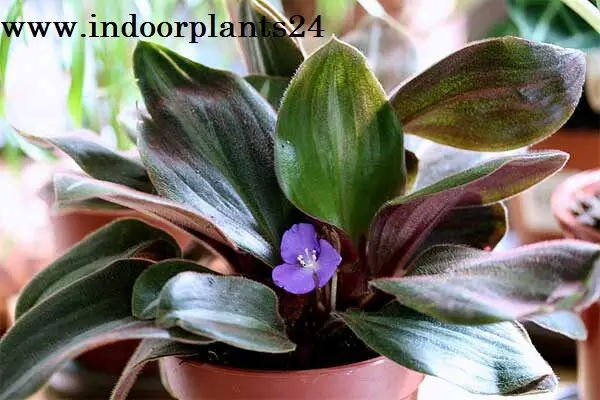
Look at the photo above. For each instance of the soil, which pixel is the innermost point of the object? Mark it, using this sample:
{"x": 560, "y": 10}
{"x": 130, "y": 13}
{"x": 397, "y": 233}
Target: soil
{"x": 587, "y": 210}
{"x": 340, "y": 348}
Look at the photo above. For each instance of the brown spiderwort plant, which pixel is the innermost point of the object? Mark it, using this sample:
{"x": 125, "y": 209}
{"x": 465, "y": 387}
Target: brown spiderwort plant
{"x": 335, "y": 212}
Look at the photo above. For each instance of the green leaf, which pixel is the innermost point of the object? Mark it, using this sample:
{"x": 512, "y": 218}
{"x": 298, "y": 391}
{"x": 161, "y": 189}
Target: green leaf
{"x": 73, "y": 192}
{"x": 489, "y": 359}
{"x": 18, "y": 144}
{"x": 505, "y": 27}
{"x": 89, "y": 313}
{"x": 209, "y": 146}
{"x": 339, "y": 152}
{"x": 77, "y": 70}
{"x": 272, "y": 88}
{"x": 14, "y": 13}
{"x": 553, "y": 22}
{"x": 264, "y": 52}
{"x": 233, "y": 310}
{"x": 125, "y": 238}
{"x": 149, "y": 350}
{"x": 565, "y": 323}
{"x": 100, "y": 162}
{"x": 332, "y": 11}
{"x": 148, "y": 286}
{"x": 498, "y": 94}
{"x": 181, "y": 336}
{"x": 462, "y": 285}
{"x": 412, "y": 170}
{"x": 390, "y": 51}
{"x": 401, "y": 226}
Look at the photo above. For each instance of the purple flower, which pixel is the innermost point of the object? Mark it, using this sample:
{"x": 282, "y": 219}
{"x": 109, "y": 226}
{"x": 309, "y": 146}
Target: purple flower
{"x": 309, "y": 263}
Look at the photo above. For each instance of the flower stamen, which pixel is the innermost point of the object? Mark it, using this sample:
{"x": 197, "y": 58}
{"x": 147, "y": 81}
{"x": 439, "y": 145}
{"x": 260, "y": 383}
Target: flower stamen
{"x": 308, "y": 259}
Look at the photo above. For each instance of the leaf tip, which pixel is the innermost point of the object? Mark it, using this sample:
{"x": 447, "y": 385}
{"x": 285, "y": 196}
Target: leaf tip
{"x": 145, "y": 53}
{"x": 544, "y": 384}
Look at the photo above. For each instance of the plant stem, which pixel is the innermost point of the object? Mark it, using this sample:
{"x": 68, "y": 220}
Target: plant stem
{"x": 541, "y": 29}
{"x": 333, "y": 294}
{"x": 320, "y": 296}
{"x": 585, "y": 10}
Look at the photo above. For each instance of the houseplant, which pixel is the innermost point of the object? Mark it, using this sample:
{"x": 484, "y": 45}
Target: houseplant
{"x": 384, "y": 251}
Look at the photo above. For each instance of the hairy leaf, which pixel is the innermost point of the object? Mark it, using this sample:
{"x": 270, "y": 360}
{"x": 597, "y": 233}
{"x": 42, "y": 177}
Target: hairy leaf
{"x": 437, "y": 161}
{"x": 479, "y": 227}
{"x": 271, "y": 51}
{"x": 148, "y": 286}
{"x": 149, "y": 350}
{"x": 209, "y": 146}
{"x": 402, "y": 225}
{"x": 566, "y": 323}
{"x": 125, "y": 238}
{"x": 339, "y": 152}
{"x": 93, "y": 311}
{"x": 270, "y": 87}
{"x": 462, "y": 285}
{"x": 233, "y": 310}
{"x": 75, "y": 192}
{"x": 498, "y": 94}
{"x": 100, "y": 162}
{"x": 181, "y": 336}
{"x": 489, "y": 359}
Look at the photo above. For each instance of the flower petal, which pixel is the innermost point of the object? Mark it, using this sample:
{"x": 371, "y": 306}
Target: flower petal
{"x": 294, "y": 278}
{"x": 296, "y": 239}
{"x": 328, "y": 261}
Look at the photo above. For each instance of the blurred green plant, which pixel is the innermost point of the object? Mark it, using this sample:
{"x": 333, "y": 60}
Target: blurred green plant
{"x": 586, "y": 11}
{"x": 10, "y": 147}
{"x": 102, "y": 87}
{"x": 568, "y": 23}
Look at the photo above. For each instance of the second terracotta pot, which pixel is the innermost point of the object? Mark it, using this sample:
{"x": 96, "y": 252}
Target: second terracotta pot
{"x": 584, "y": 183}
{"x": 378, "y": 378}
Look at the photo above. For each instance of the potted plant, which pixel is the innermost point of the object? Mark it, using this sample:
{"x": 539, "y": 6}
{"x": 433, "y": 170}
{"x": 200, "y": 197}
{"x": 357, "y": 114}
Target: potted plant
{"x": 576, "y": 205}
{"x": 344, "y": 256}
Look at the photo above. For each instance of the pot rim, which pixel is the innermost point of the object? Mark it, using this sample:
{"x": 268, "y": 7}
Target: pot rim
{"x": 303, "y": 372}
{"x": 565, "y": 193}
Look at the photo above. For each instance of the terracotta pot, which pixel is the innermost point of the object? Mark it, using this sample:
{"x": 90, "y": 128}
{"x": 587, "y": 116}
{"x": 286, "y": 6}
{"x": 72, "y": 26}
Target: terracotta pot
{"x": 585, "y": 183}
{"x": 588, "y": 351}
{"x": 378, "y": 378}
